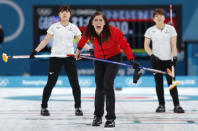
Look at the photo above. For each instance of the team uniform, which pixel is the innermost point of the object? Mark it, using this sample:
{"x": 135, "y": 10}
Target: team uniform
{"x": 62, "y": 45}
{"x": 161, "y": 48}
{"x": 105, "y": 73}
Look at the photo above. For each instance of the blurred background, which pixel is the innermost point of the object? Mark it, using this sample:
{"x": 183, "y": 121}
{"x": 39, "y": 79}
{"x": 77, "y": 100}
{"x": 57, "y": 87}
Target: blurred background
{"x": 24, "y": 24}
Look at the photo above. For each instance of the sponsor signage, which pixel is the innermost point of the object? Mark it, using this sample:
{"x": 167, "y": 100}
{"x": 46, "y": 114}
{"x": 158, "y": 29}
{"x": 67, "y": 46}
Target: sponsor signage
{"x": 88, "y": 81}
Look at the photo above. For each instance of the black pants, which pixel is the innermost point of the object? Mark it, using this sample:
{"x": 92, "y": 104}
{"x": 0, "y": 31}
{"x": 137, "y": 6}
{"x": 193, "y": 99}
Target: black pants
{"x": 55, "y": 65}
{"x": 163, "y": 65}
{"x": 105, "y": 74}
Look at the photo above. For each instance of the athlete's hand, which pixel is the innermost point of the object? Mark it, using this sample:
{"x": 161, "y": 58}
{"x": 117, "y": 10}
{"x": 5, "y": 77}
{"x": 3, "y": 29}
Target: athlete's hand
{"x": 77, "y": 55}
{"x": 174, "y": 62}
{"x": 134, "y": 64}
{"x": 32, "y": 55}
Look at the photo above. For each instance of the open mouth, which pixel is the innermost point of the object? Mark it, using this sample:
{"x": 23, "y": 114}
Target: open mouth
{"x": 98, "y": 27}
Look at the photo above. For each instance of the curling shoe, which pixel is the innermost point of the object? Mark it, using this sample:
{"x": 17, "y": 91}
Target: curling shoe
{"x": 78, "y": 112}
{"x": 97, "y": 121}
{"x": 160, "y": 108}
{"x": 178, "y": 109}
{"x": 109, "y": 124}
{"x": 45, "y": 112}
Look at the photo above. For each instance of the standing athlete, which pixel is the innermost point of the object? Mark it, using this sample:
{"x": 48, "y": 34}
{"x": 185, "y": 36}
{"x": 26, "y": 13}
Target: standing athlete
{"x": 108, "y": 42}
{"x": 63, "y": 33}
{"x": 164, "y": 50}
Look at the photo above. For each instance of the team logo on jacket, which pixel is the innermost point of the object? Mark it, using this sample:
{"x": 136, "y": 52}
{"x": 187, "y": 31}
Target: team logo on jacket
{"x": 70, "y": 29}
{"x": 166, "y": 31}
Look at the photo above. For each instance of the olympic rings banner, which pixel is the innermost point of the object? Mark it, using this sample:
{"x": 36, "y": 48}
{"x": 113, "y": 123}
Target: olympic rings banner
{"x": 88, "y": 81}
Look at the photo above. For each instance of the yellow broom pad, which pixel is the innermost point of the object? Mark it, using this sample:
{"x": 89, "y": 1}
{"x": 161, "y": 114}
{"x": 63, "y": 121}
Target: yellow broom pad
{"x": 173, "y": 85}
{"x": 4, "y": 57}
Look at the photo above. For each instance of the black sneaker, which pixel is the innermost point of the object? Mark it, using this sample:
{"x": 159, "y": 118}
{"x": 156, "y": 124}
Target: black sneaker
{"x": 178, "y": 109}
{"x": 44, "y": 112}
{"x": 160, "y": 108}
{"x": 97, "y": 121}
{"x": 109, "y": 124}
{"x": 78, "y": 112}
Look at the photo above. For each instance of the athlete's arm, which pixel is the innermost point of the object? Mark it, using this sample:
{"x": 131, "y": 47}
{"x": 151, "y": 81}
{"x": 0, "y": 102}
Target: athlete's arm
{"x": 44, "y": 42}
{"x": 147, "y": 48}
{"x": 174, "y": 45}
{"x": 86, "y": 46}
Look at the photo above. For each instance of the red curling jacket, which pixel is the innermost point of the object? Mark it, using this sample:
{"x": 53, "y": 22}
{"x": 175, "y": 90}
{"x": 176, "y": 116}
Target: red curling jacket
{"x": 111, "y": 47}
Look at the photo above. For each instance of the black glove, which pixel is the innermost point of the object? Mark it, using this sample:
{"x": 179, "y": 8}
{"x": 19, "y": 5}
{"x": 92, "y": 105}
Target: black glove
{"x": 154, "y": 58}
{"x": 174, "y": 62}
{"x": 91, "y": 52}
{"x": 32, "y": 55}
{"x": 134, "y": 64}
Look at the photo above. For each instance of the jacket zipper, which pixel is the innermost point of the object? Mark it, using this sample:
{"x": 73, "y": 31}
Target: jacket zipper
{"x": 100, "y": 42}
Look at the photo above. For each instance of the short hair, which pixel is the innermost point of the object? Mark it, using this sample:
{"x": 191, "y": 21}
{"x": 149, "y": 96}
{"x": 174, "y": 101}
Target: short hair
{"x": 64, "y": 8}
{"x": 159, "y": 11}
